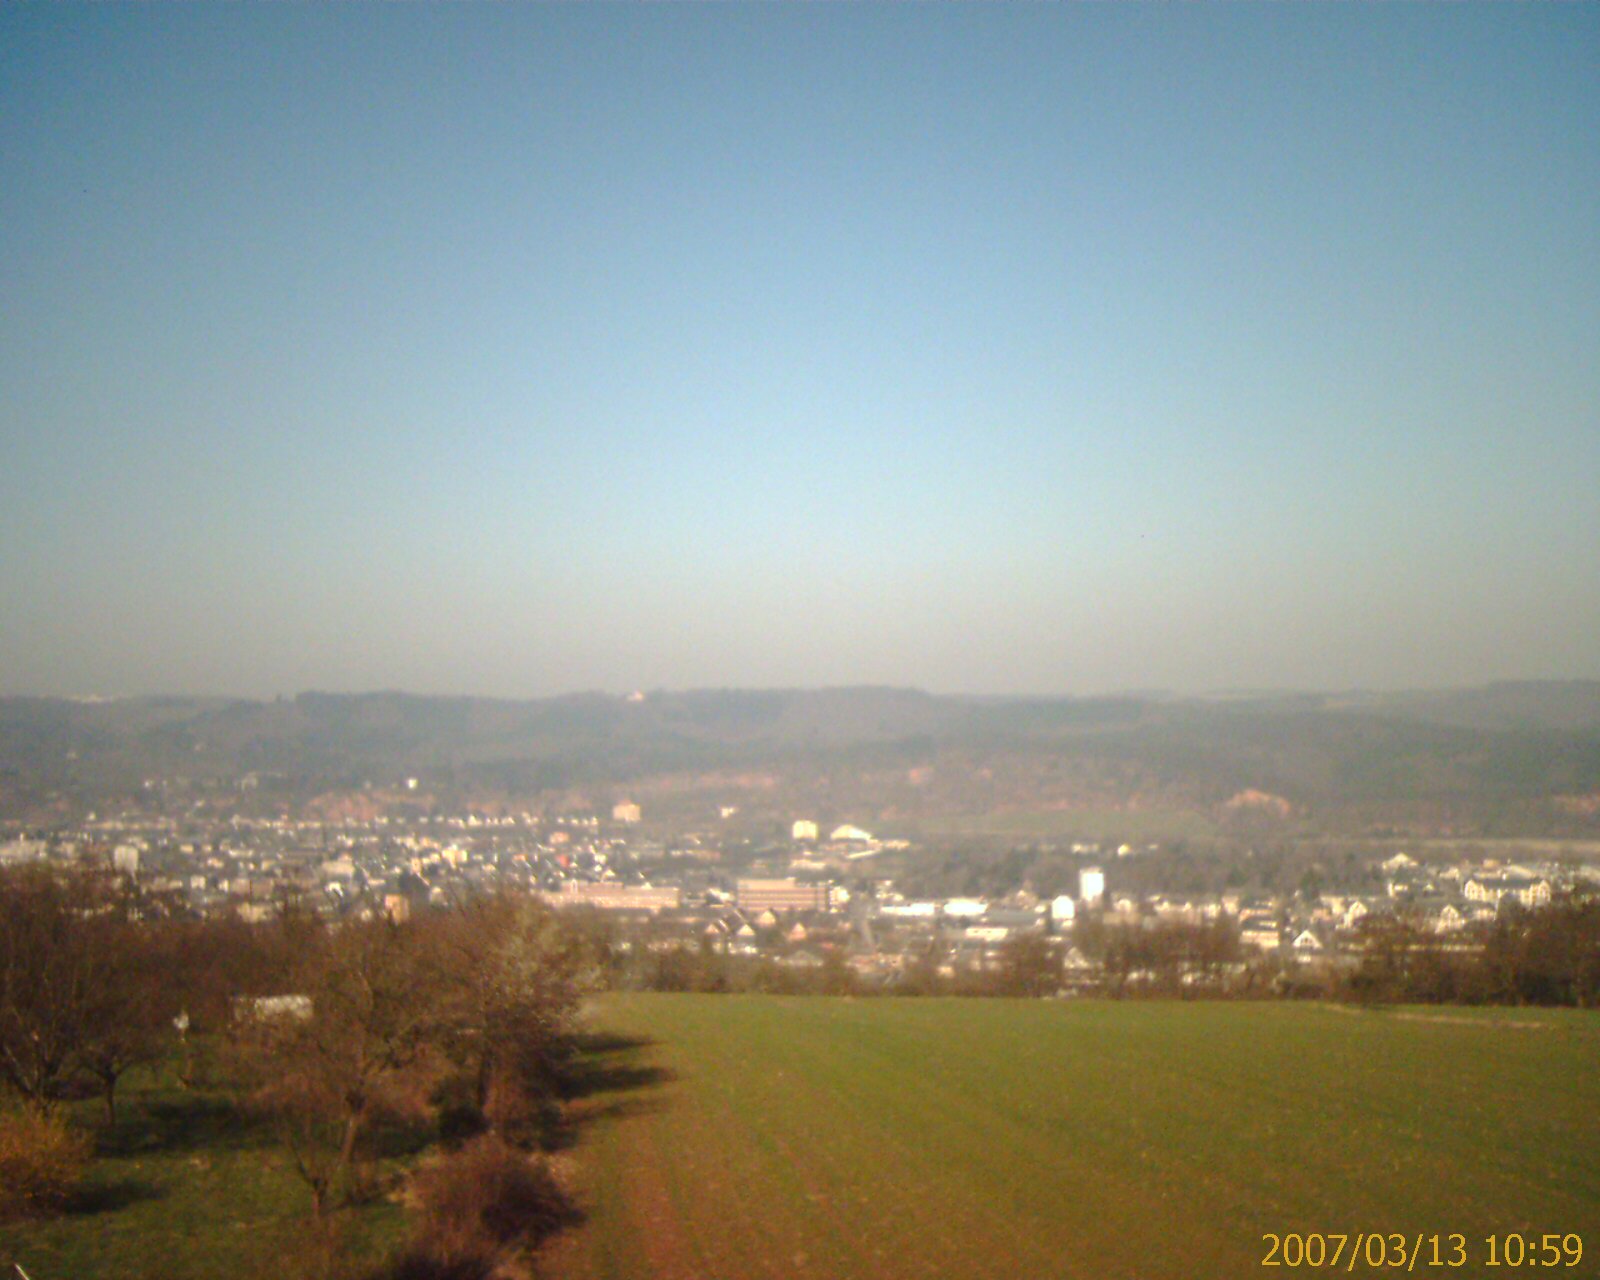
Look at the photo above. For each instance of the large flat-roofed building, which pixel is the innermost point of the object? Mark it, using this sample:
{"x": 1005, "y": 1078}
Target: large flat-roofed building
{"x": 780, "y": 895}
{"x": 610, "y": 896}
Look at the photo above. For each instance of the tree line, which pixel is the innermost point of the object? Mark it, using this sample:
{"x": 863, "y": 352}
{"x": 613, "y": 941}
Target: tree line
{"x": 1544, "y": 956}
{"x": 460, "y": 1023}
{"x": 1548, "y": 955}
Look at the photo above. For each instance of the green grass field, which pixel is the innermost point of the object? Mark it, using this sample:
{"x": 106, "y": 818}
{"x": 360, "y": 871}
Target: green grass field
{"x": 736, "y": 1138}
{"x": 763, "y": 1137}
{"x": 186, "y": 1188}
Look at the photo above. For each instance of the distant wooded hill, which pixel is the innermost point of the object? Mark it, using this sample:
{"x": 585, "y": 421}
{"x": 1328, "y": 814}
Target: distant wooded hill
{"x": 1529, "y": 752}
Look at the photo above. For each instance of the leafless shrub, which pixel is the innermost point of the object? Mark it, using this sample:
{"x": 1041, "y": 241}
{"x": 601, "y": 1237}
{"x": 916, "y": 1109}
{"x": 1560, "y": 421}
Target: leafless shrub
{"x": 41, "y": 1164}
{"x": 486, "y": 1201}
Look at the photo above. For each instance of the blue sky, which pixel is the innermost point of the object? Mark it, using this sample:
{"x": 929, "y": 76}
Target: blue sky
{"x": 514, "y": 350}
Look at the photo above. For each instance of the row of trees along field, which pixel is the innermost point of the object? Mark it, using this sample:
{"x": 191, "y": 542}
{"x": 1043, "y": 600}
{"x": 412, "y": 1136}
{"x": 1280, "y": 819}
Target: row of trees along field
{"x": 1541, "y": 956}
{"x": 1167, "y": 959}
{"x": 459, "y": 1021}
{"x": 1548, "y": 956}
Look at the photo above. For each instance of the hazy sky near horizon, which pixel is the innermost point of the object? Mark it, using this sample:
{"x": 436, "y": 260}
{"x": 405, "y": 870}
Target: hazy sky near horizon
{"x": 522, "y": 349}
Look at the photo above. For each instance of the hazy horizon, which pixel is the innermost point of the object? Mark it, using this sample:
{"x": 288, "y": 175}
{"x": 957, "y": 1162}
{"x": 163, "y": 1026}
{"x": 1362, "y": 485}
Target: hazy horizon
{"x": 1022, "y": 351}
{"x": 1137, "y": 692}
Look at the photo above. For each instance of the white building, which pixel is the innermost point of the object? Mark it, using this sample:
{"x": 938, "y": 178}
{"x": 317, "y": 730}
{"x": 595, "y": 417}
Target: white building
{"x": 804, "y": 829}
{"x": 910, "y": 910}
{"x": 1527, "y": 890}
{"x": 1091, "y": 886}
{"x": 22, "y": 850}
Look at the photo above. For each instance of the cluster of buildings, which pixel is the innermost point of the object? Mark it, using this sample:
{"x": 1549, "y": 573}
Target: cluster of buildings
{"x": 796, "y": 901}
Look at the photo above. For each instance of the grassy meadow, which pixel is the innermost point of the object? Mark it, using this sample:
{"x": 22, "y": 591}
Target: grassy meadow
{"x": 749, "y": 1137}
{"x": 188, "y": 1187}
{"x": 740, "y": 1138}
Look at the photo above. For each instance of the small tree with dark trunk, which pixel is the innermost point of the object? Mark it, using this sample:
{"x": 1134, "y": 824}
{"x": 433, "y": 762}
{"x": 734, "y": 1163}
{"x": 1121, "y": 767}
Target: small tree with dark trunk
{"x": 128, "y": 1014}
{"x": 1029, "y": 966}
{"x": 323, "y": 1071}
{"x": 53, "y": 975}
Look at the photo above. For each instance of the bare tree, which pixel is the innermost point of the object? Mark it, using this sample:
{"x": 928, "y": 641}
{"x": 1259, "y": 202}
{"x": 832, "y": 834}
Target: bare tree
{"x": 324, "y": 1068}
{"x": 128, "y": 1012}
{"x": 53, "y": 975}
{"x": 1029, "y": 966}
